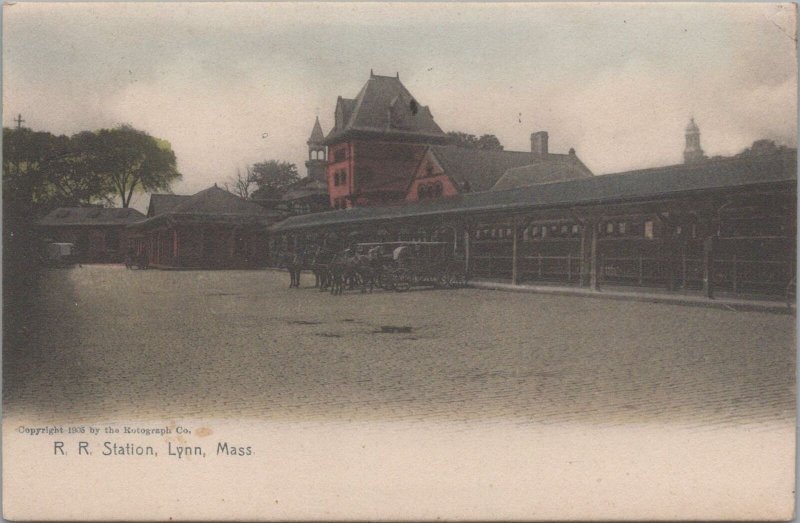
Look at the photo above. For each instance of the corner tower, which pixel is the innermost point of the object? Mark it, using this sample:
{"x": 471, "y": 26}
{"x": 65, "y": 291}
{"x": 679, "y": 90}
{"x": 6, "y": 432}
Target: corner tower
{"x": 317, "y": 153}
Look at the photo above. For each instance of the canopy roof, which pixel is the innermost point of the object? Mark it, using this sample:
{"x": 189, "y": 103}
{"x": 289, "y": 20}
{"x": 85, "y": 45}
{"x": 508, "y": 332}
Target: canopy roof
{"x": 683, "y": 179}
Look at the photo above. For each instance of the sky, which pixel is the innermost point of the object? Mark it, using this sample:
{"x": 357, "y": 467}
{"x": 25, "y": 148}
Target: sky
{"x": 232, "y": 84}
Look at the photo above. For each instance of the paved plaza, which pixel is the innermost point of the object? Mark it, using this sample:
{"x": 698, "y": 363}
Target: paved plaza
{"x": 102, "y": 342}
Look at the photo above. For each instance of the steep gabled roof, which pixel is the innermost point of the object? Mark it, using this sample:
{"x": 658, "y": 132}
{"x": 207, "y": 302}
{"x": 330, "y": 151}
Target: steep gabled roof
{"x": 728, "y": 174}
{"x": 553, "y": 168}
{"x": 215, "y": 200}
{"x": 161, "y": 203}
{"x": 483, "y": 168}
{"x": 384, "y": 106}
{"x": 88, "y": 216}
{"x": 304, "y": 188}
{"x": 213, "y": 205}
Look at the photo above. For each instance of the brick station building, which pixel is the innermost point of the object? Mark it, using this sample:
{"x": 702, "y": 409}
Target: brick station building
{"x": 386, "y": 148}
{"x": 213, "y": 229}
{"x": 100, "y": 234}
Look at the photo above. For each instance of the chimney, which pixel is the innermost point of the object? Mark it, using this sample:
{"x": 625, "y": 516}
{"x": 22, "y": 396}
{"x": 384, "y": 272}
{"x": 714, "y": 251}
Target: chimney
{"x": 539, "y": 143}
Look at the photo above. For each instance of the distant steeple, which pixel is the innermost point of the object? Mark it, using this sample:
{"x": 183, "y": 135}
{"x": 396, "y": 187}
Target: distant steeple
{"x": 693, "y": 152}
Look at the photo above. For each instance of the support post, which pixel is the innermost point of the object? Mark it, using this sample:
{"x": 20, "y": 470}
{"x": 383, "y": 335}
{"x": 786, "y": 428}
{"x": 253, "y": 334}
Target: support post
{"x": 594, "y": 259}
{"x": 175, "y": 246}
{"x": 708, "y": 267}
{"x": 585, "y": 268}
{"x": 467, "y": 249}
{"x": 569, "y": 267}
{"x": 641, "y": 270}
{"x": 514, "y": 252}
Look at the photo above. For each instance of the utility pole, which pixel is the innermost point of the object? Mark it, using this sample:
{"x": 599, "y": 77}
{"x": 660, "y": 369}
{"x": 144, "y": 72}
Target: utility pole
{"x": 19, "y": 121}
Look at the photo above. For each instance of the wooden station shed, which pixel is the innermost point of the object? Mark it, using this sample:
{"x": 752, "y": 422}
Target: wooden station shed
{"x": 213, "y": 229}
{"x": 99, "y": 234}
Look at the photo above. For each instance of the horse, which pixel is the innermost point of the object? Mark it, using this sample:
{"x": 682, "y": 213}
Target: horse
{"x": 350, "y": 270}
{"x": 368, "y": 267}
{"x": 293, "y": 262}
{"x": 320, "y": 265}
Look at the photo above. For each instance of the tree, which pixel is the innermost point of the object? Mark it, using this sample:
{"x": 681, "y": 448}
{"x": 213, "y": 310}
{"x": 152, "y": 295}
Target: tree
{"x": 762, "y": 147}
{"x": 131, "y": 160}
{"x": 243, "y": 184}
{"x": 72, "y": 177}
{"x": 273, "y": 177}
{"x": 24, "y": 152}
{"x": 487, "y": 142}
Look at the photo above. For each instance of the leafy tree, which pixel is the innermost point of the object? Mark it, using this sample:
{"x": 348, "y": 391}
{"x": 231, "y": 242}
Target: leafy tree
{"x": 131, "y": 160}
{"x": 273, "y": 177}
{"x": 762, "y": 147}
{"x": 42, "y": 171}
{"x": 487, "y": 142}
{"x": 24, "y": 152}
{"x": 72, "y": 176}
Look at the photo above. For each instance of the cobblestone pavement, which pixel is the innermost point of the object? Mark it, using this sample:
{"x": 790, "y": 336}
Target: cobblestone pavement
{"x": 100, "y": 342}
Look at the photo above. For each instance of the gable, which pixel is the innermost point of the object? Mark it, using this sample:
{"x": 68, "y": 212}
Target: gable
{"x": 428, "y": 166}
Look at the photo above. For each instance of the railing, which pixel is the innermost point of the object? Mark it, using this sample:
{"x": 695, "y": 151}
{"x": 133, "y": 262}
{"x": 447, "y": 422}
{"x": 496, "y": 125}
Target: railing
{"x": 684, "y": 272}
{"x": 746, "y": 275}
{"x": 490, "y": 266}
{"x": 550, "y": 268}
{"x": 644, "y": 270}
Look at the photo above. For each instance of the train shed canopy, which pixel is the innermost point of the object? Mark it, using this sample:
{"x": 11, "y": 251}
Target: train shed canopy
{"x": 716, "y": 175}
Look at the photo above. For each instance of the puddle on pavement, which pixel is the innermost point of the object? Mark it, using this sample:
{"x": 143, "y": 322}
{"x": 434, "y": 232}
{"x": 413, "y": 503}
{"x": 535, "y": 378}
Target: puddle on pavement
{"x": 393, "y": 329}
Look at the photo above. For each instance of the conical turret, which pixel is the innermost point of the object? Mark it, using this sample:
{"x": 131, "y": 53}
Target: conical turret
{"x": 317, "y": 153}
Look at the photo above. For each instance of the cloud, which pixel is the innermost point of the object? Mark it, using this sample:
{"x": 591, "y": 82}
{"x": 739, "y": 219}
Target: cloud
{"x": 617, "y": 81}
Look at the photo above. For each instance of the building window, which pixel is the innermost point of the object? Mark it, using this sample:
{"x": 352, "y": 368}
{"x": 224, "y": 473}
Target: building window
{"x": 340, "y": 154}
{"x": 609, "y": 228}
{"x": 437, "y": 189}
{"x": 623, "y": 227}
{"x": 575, "y": 229}
{"x": 564, "y": 229}
{"x": 648, "y": 230}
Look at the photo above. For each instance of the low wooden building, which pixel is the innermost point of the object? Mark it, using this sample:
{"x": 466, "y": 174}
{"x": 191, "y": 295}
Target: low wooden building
{"x": 100, "y": 234}
{"x": 724, "y": 224}
{"x": 213, "y": 229}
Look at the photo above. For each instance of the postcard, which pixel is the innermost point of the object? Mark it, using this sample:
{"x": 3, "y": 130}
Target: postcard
{"x": 399, "y": 261}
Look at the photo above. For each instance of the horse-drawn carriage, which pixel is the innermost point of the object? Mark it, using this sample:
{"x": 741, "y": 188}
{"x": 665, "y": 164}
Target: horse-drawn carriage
{"x": 405, "y": 264}
{"x": 389, "y": 265}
